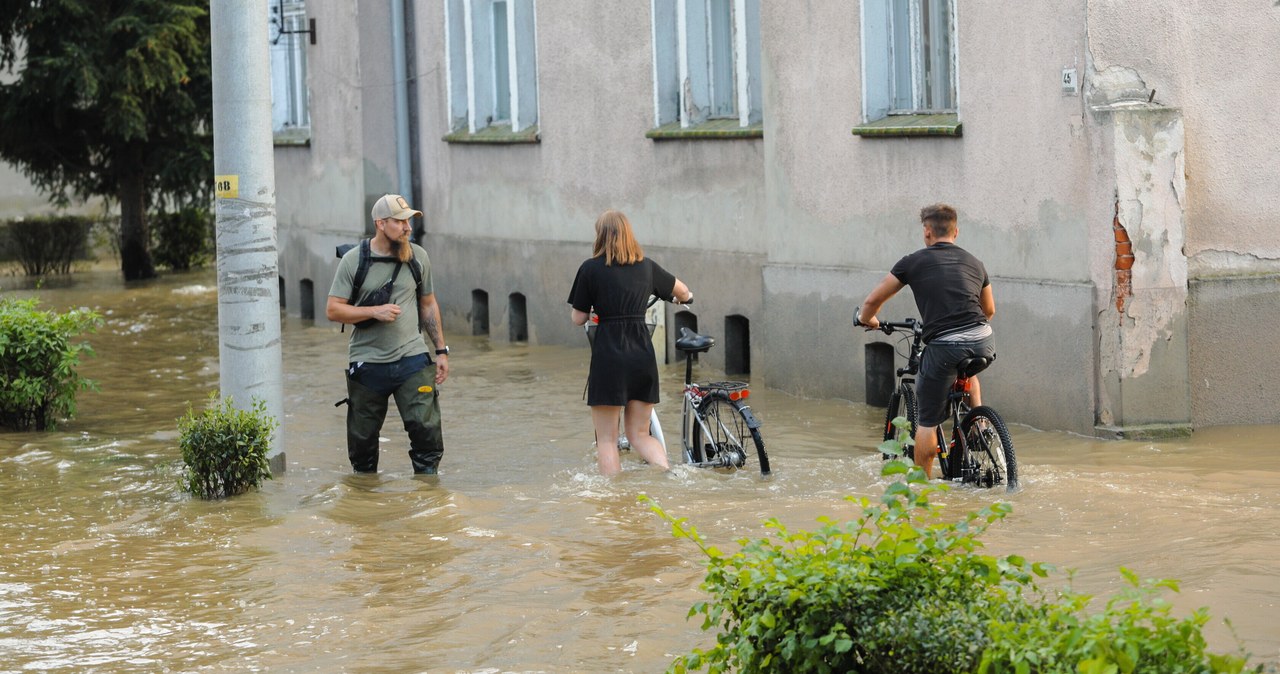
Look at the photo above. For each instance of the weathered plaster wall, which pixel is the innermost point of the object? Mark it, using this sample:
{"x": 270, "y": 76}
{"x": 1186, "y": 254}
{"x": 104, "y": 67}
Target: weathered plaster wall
{"x": 792, "y": 230}
{"x": 843, "y": 209}
{"x": 595, "y": 103}
{"x": 1233, "y": 376}
{"x": 1143, "y": 348}
{"x": 1209, "y": 62}
{"x": 1016, "y": 175}
{"x": 519, "y": 218}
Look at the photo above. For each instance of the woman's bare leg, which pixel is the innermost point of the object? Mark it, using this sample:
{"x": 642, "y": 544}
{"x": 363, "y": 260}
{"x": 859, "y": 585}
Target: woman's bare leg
{"x": 605, "y": 420}
{"x": 637, "y": 423}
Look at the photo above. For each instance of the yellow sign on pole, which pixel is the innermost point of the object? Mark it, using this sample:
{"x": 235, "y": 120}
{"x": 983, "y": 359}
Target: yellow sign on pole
{"x": 226, "y": 187}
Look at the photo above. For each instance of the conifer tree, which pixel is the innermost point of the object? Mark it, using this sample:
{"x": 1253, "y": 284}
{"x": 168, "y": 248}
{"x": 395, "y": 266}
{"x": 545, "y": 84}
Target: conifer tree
{"x": 109, "y": 98}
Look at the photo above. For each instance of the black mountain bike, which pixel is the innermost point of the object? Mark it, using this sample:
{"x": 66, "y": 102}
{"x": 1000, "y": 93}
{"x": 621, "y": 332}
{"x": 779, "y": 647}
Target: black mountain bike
{"x": 980, "y": 451}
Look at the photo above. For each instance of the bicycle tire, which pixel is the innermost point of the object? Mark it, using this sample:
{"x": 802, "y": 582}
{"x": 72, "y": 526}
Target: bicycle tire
{"x": 729, "y": 423}
{"x": 901, "y": 404}
{"x": 991, "y": 457}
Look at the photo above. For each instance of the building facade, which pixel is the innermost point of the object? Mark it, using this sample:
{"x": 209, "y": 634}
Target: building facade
{"x": 1111, "y": 163}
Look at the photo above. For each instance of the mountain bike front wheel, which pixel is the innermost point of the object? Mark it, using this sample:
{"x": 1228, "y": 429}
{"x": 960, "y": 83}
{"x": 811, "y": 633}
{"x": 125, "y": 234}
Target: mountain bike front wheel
{"x": 901, "y": 404}
{"x": 991, "y": 461}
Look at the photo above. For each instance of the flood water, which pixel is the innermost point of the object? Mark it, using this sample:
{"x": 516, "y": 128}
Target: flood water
{"x": 518, "y": 557}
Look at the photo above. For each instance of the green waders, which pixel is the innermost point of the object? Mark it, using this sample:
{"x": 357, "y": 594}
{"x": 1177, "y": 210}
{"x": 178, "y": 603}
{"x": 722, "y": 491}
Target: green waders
{"x": 420, "y": 412}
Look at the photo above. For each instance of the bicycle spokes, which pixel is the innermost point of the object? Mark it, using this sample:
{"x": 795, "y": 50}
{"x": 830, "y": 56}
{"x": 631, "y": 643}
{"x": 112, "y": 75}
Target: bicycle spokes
{"x": 987, "y": 466}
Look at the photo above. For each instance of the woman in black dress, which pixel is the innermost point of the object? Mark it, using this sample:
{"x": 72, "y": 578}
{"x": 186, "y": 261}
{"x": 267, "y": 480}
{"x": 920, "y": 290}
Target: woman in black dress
{"x": 616, "y": 284}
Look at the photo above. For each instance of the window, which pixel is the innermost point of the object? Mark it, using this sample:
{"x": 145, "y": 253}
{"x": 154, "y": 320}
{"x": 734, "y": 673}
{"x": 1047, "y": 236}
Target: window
{"x": 491, "y": 60}
{"x": 706, "y": 63}
{"x": 290, "y": 109}
{"x": 909, "y": 58}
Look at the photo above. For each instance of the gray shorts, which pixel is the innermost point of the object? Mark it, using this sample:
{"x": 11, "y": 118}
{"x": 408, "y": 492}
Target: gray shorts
{"x": 938, "y": 373}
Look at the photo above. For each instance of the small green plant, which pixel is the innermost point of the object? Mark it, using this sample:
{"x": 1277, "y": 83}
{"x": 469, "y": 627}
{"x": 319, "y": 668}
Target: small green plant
{"x": 49, "y": 244}
{"x": 183, "y": 239}
{"x": 38, "y": 360}
{"x": 225, "y": 449}
{"x": 903, "y": 589}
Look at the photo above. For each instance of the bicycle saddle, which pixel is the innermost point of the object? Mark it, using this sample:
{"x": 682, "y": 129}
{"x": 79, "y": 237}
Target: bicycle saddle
{"x": 971, "y": 366}
{"x": 692, "y": 341}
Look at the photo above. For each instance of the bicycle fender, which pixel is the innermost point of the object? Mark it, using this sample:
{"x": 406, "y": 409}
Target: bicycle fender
{"x": 752, "y": 422}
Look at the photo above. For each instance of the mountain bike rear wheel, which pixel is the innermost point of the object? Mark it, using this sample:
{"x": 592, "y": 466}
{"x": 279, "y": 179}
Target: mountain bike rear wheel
{"x": 991, "y": 461}
{"x": 729, "y": 426}
{"x": 901, "y": 404}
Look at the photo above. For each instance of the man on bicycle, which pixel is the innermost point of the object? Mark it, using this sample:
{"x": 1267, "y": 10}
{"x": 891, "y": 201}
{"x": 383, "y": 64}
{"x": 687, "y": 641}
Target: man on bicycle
{"x": 953, "y": 295}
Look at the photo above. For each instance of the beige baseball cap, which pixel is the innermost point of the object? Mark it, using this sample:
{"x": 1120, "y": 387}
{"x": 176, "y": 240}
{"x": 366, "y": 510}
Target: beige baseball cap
{"x": 393, "y": 206}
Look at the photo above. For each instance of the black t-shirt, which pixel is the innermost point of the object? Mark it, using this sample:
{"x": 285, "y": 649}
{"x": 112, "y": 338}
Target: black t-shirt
{"x": 621, "y": 289}
{"x": 947, "y": 282}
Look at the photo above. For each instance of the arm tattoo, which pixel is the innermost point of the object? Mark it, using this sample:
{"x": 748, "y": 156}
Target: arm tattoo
{"x": 431, "y": 323}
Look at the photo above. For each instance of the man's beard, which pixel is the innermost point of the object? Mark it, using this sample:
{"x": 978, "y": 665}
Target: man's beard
{"x": 401, "y": 248}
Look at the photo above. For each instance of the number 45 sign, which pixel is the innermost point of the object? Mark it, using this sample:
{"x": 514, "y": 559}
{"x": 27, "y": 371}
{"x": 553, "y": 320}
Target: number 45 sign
{"x": 1070, "y": 82}
{"x": 226, "y": 187}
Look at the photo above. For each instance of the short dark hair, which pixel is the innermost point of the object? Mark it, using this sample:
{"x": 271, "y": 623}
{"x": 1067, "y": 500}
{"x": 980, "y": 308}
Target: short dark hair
{"x": 940, "y": 218}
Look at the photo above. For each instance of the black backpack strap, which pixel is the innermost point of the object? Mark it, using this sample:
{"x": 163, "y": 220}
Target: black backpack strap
{"x": 362, "y": 270}
{"x": 416, "y": 268}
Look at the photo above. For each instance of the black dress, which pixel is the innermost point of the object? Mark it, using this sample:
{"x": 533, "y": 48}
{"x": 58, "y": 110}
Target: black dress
{"x": 623, "y": 364}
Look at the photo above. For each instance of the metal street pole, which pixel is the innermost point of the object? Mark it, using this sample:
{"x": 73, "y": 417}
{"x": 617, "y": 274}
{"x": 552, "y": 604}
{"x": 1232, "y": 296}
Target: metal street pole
{"x": 244, "y": 174}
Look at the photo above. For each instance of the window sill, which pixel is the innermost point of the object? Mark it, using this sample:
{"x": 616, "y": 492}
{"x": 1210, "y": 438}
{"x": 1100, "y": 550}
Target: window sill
{"x": 294, "y": 136}
{"x": 495, "y": 135}
{"x": 716, "y": 129}
{"x": 897, "y": 126}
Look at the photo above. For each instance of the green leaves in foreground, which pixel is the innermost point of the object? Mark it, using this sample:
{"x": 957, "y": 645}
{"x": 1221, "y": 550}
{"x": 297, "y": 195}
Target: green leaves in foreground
{"x": 900, "y": 589}
{"x": 225, "y": 449}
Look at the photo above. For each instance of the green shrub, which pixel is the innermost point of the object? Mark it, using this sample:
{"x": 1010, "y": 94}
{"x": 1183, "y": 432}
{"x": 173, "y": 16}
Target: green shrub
{"x": 183, "y": 239}
{"x": 38, "y": 378}
{"x": 901, "y": 589}
{"x": 1134, "y": 634}
{"x": 225, "y": 449}
{"x": 49, "y": 244}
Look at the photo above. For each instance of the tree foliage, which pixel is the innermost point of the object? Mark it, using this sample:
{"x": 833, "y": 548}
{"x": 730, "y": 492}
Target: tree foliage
{"x": 109, "y": 98}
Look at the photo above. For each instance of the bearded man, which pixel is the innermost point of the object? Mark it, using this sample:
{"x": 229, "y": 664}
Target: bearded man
{"x": 387, "y": 353}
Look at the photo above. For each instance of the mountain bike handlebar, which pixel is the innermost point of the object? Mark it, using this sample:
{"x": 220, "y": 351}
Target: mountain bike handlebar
{"x": 889, "y": 327}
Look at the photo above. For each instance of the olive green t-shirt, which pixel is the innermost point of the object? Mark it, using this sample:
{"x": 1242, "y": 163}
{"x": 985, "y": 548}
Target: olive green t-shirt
{"x": 384, "y": 342}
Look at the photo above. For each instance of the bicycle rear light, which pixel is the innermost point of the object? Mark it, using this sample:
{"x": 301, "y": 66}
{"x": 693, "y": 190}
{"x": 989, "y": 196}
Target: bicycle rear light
{"x": 740, "y": 395}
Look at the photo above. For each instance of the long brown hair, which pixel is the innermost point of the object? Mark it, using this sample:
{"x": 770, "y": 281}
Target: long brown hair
{"x": 614, "y": 240}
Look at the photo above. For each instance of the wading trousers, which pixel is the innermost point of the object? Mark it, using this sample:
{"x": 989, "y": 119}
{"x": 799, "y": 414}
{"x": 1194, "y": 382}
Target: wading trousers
{"x": 368, "y": 387}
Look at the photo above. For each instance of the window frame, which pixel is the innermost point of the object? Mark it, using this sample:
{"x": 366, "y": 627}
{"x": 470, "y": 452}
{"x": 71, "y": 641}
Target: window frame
{"x": 887, "y": 67}
{"x": 686, "y": 70}
{"x": 480, "y": 108}
{"x": 290, "y": 94}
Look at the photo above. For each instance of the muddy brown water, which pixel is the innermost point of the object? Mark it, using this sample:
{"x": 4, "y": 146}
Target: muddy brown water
{"x": 518, "y": 557}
